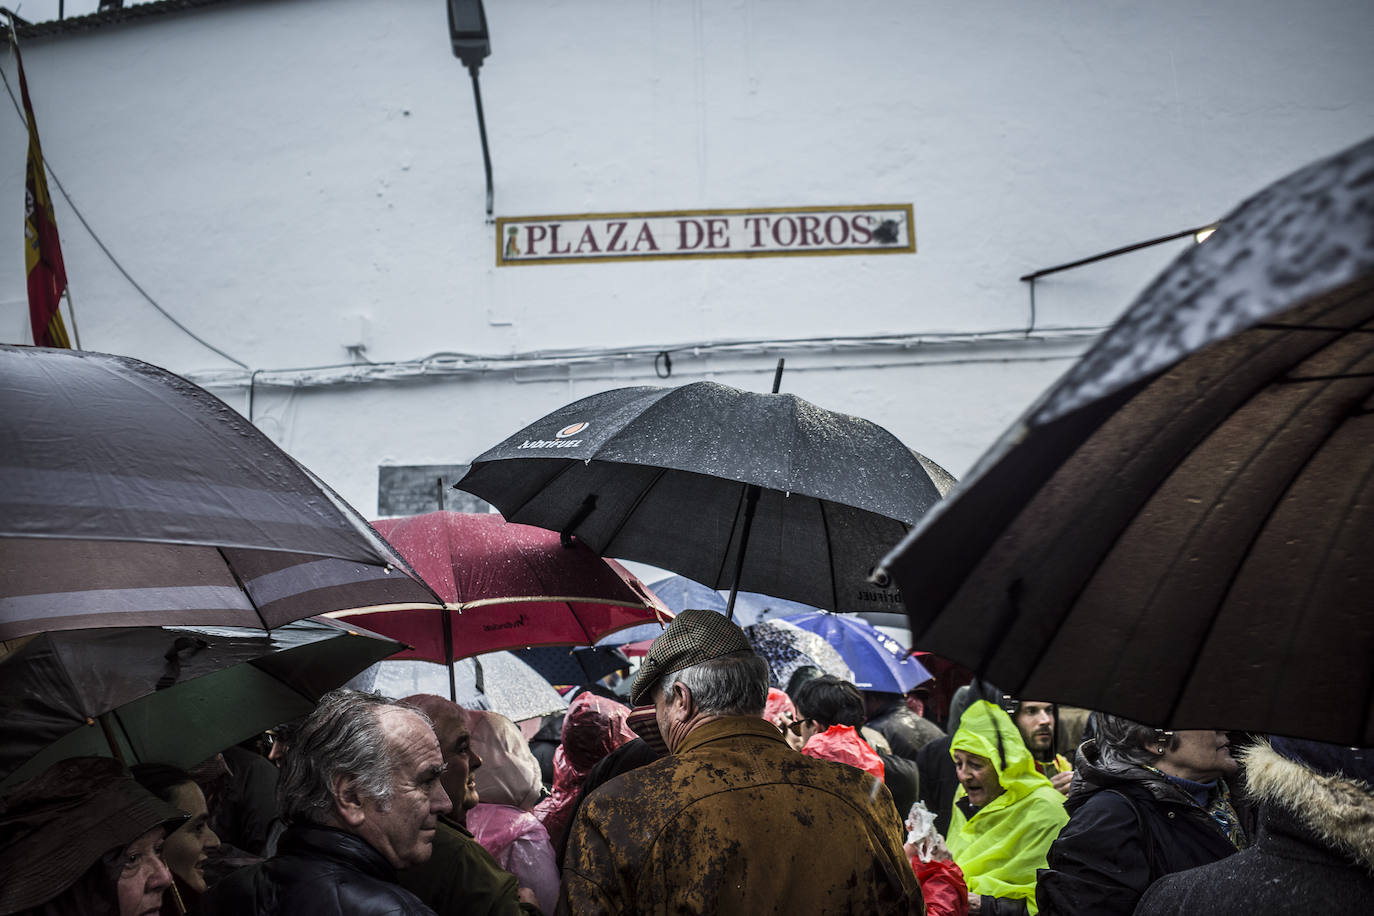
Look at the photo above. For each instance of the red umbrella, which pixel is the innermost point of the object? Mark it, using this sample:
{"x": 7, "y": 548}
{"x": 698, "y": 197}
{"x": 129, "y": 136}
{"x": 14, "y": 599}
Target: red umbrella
{"x": 511, "y": 586}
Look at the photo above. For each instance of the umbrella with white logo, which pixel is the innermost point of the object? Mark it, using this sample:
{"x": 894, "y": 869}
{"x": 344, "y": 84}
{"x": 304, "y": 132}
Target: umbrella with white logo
{"x": 734, "y": 489}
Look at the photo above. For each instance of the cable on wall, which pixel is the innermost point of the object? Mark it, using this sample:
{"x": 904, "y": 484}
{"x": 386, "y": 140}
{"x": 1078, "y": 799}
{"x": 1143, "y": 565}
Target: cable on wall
{"x": 113, "y": 260}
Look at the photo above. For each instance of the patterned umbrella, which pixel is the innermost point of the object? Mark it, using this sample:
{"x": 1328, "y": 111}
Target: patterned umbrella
{"x": 787, "y": 647}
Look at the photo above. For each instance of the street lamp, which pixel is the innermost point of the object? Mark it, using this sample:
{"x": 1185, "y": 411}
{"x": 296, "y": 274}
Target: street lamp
{"x": 467, "y": 30}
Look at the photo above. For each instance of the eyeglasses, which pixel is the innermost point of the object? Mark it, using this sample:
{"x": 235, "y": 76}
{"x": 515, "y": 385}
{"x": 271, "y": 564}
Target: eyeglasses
{"x": 795, "y": 726}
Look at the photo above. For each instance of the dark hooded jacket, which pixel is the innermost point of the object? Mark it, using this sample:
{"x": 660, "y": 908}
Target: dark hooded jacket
{"x": 317, "y": 870}
{"x": 1315, "y": 852}
{"x": 1128, "y": 827}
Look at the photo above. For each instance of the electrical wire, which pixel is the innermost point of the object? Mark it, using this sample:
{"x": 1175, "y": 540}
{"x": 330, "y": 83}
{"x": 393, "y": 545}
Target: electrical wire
{"x": 450, "y": 364}
{"x": 113, "y": 260}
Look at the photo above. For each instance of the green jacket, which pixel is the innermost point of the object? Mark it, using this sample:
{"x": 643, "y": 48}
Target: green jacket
{"x": 462, "y": 877}
{"x": 736, "y": 822}
{"x": 1002, "y": 844}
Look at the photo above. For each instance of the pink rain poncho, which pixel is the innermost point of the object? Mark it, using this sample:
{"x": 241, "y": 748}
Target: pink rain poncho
{"x": 508, "y": 785}
{"x": 779, "y": 709}
{"x": 842, "y": 744}
{"x": 593, "y": 728}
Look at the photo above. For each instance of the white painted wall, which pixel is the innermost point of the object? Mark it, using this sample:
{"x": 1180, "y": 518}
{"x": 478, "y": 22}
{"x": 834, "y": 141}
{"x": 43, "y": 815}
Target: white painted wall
{"x": 290, "y": 178}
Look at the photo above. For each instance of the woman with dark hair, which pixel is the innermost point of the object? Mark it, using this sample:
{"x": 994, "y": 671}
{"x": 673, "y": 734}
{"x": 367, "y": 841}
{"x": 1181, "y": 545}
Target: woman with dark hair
{"x": 187, "y": 848}
{"x": 84, "y": 839}
{"x": 1144, "y": 803}
{"x": 829, "y": 713}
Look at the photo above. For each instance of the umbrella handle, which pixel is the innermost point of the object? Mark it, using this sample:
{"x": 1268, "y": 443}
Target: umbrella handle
{"x": 751, "y": 501}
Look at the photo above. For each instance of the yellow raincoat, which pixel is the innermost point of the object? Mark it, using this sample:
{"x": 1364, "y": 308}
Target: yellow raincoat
{"x": 1007, "y": 839}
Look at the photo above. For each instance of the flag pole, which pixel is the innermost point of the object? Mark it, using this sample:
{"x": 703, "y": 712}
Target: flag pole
{"x": 71, "y": 311}
{"x": 46, "y": 275}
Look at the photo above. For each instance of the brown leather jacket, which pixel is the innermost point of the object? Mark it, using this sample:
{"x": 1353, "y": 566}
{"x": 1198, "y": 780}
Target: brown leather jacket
{"x": 738, "y": 822}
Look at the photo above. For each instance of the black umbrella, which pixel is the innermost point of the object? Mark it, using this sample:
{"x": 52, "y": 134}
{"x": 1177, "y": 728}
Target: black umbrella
{"x": 663, "y": 476}
{"x": 1179, "y": 531}
{"x": 129, "y": 496}
{"x": 164, "y": 694}
{"x": 573, "y": 664}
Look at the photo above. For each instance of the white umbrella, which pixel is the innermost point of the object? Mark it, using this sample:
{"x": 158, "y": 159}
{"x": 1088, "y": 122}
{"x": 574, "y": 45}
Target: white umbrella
{"x": 496, "y": 680}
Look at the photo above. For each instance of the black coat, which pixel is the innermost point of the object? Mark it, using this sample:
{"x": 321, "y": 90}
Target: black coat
{"x": 317, "y": 870}
{"x": 938, "y": 781}
{"x": 906, "y": 732}
{"x": 1126, "y": 829}
{"x": 1315, "y": 852}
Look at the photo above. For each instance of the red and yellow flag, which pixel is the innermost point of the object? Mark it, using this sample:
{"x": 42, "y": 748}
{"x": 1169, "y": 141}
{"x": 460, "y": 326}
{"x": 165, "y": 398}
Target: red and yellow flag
{"x": 42, "y": 251}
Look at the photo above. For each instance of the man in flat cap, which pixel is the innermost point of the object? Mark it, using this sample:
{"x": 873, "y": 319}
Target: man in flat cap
{"x": 733, "y": 820}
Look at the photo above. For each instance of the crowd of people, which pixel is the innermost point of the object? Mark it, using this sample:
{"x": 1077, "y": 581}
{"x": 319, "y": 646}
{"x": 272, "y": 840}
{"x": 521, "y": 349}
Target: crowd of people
{"x": 713, "y": 790}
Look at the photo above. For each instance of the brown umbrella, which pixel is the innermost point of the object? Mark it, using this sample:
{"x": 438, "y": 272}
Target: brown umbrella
{"x": 1179, "y": 531}
{"x": 131, "y": 497}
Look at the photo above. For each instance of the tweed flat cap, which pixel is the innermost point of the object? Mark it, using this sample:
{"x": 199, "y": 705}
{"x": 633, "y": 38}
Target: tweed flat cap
{"x": 694, "y": 636}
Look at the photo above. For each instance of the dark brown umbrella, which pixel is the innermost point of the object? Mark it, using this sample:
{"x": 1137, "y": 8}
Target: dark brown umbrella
{"x": 1180, "y": 530}
{"x": 131, "y": 497}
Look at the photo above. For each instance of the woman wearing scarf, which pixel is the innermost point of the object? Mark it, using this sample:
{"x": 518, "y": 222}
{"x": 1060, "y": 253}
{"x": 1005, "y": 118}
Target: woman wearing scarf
{"x": 1145, "y": 803}
{"x": 1006, "y": 814}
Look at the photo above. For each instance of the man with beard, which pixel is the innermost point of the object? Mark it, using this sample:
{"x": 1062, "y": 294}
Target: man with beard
{"x": 461, "y": 876}
{"x": 1036, "y": 721}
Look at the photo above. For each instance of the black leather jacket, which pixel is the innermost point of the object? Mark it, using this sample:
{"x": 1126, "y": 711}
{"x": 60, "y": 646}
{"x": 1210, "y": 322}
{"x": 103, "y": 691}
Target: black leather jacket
{"x": 317, "y": 870}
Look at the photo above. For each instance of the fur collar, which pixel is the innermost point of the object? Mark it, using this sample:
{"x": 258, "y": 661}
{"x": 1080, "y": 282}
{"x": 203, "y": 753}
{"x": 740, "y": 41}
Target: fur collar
{"x": 1339, "y": 811}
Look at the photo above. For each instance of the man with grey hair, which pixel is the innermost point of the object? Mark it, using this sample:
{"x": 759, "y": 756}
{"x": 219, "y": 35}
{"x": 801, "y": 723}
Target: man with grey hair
{"x": 361, "y": 793}
{"x": 733, "y": 820}
{"x": 461, "y": 876}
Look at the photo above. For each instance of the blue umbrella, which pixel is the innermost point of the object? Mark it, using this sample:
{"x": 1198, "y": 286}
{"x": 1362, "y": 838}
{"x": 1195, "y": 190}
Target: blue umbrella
{"x": 679, "y": 593}
{"x": 880, "y": 663}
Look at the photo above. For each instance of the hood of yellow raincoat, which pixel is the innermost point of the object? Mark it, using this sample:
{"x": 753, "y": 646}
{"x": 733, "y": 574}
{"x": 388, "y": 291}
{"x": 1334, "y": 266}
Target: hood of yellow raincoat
{"x": 1008, "y": 838}
{"x": 987, "y": 731}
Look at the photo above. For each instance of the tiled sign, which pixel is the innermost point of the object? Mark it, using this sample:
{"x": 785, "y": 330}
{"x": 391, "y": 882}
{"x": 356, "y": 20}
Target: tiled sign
{"x": 771, "y": 232}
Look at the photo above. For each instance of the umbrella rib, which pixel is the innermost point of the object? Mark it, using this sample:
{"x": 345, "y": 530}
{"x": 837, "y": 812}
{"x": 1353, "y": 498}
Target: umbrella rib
{"x": 734, "y": 524}
{"x": 1368, "y": 704}
{"x": 244, "y": 589}
{"x": 1259, "y": 529}
{"x": 1159, "y": 584}
{"x": 829, "y": 557}
{"x": 625, "y": 516}
{"x": 535, "y": 491}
